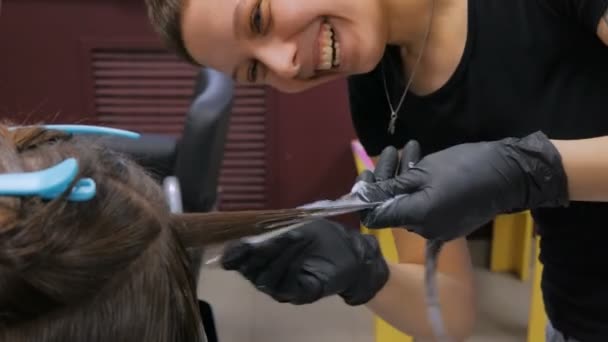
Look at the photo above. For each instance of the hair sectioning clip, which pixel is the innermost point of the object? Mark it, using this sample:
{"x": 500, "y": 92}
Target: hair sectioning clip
{"x": 52, "y": 182}
{"x": 48, "y": 183}
{"x": 88, "y": 129}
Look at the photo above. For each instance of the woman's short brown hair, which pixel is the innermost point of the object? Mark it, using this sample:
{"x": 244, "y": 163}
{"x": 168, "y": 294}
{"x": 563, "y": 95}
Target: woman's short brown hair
{"x": 165, "y": 17}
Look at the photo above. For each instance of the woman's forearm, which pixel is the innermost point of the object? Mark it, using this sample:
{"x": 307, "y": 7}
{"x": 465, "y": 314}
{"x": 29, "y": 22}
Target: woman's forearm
{"x": 586, "y": 165}
{"x": 402, "y": 304}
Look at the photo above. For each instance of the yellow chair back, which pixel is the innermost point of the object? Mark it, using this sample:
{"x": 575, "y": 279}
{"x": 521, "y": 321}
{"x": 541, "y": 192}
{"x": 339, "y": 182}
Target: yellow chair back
{"x": 384, "y": 332}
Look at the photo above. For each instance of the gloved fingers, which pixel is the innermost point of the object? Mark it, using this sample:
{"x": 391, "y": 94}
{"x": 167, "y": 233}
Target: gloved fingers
{"x": 249, "y": 259}
{"x": 366, "y": 176}
{"x": 409, "y": 156}
{"x": 387, "y": 164}
{"x": 280, "y": 271}
{"x": 310, "y": 286}
{"x": 406, "y": 210}
{"x": 235, "y": 253}
{"x": 266, "y": 252}
{"x": 382, "y": 191}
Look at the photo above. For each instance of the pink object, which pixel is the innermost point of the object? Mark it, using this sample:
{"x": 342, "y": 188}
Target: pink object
{"x": 361, "y": 154}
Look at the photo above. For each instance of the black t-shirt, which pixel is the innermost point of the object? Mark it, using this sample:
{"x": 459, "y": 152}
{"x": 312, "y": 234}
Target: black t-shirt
{"x": 528, "y": 65}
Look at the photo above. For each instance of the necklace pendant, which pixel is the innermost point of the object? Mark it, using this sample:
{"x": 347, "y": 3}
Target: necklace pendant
{"x": 391, "y": 124}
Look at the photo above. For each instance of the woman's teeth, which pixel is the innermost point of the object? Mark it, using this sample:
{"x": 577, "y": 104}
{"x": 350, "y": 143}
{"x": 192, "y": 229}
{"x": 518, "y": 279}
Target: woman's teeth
{"x": 330, "y": 48}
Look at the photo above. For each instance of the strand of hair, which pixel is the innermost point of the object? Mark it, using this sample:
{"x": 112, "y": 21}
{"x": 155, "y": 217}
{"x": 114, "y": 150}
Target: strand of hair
{"x": 200, "y": 229}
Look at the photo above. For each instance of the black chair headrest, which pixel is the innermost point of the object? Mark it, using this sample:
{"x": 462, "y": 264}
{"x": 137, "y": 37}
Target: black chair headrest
{"x": 201, "y": 149}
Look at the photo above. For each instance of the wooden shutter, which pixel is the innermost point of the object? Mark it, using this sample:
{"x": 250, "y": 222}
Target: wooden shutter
{"x": 145, "y": 90}
{"x": 150, "y": 91}
{"x": 244, "y": 178}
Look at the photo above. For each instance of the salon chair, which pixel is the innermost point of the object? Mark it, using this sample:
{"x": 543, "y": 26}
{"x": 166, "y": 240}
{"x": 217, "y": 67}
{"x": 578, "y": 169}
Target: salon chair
{"x": 194, "y": 159}
{"x": 188, "y": 167}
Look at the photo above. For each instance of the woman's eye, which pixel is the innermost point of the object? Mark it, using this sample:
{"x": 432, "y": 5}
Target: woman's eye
{"x": 256, "y": 18}
{"x": 252, "y": 73}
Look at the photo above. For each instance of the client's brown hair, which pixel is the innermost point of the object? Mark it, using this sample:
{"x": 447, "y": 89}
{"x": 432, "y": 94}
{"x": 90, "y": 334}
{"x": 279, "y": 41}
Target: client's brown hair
{"x": 113, "y": 268}
{"x": 109, "y": 269}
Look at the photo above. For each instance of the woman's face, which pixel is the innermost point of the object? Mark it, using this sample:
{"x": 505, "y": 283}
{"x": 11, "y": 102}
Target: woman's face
{"x": 291, "y": 45}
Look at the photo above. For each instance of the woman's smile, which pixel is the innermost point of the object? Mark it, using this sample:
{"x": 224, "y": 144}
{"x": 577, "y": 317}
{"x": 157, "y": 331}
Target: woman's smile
{"x": 289, "y": 45}
{"x": 328, "y": 56}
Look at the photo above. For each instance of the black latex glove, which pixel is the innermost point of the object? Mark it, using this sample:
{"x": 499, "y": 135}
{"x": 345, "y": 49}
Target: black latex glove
{"x": 450, "y": 193}
{"x": 388, "y": 166}
{"x": 308, "y": 263}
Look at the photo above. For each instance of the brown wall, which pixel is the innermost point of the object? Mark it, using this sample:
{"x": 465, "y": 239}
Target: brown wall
{"x": 41, "y": 69}
{"x": 43, "y": 63}
{"x": 314, "y": 160}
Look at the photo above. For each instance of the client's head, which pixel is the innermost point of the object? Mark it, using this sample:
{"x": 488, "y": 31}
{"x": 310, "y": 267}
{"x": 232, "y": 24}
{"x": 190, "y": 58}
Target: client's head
{"x": 108, "y": 269}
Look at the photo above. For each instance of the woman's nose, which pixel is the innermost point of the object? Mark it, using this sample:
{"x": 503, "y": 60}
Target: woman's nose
{"x": 280, "y": 58}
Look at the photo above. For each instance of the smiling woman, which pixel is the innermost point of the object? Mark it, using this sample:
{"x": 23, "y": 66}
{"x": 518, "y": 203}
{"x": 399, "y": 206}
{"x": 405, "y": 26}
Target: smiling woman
{"x": 490, "y": 74}
{"x": 290, "y": 45}
{"x": 294, "y": 46}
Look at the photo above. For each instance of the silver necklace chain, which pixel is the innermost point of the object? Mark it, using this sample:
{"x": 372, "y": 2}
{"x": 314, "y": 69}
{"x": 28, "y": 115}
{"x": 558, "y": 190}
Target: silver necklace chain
{"x": 394, "y": 112}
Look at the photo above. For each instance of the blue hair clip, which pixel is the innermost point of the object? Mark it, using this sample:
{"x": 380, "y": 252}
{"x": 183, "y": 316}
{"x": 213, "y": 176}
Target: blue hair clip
{"x": 54, "y": 181}
{"x": 49, "y": 183}
{"x": 89, "y": 129}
